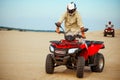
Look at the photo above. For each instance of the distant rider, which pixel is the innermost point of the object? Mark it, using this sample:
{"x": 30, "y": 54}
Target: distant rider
{"x": 109, "y": 25}
{"x": 72, "y": 20}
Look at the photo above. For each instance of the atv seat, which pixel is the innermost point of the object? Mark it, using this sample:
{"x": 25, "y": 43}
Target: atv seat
{"x": 97, "y": 42}
{"x": 88, "y": 42}
{"x": 56, "y": 42}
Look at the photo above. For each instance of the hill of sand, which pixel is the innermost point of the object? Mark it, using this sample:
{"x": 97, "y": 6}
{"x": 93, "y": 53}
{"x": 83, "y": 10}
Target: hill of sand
{"x": 23, "y": 55}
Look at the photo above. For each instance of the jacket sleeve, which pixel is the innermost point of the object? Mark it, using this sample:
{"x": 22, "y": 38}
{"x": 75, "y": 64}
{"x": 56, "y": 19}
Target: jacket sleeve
{"x": 79, "y": 21}
{"x": 62, "y": 18}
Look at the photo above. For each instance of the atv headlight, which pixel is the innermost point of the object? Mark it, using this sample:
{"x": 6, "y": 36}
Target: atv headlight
{"x": 111, "y": 30}
{"x": 51, "y": 49}
{"x": 73, "y": 50}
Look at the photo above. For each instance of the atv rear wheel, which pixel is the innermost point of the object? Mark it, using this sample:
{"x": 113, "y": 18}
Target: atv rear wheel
{"x": 113, "y": 34}
{"x": 99, "y": 63}
{"x": 49, "y": 64}
{"x": 80, "y": 67}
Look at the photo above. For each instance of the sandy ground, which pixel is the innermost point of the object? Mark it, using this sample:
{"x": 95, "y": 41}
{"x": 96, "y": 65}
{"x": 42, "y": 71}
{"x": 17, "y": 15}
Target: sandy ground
{"x": 23, "y": 55}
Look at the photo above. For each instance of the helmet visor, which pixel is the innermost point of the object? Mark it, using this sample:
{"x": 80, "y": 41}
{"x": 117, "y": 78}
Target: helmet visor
{"x": 71, "y": 11}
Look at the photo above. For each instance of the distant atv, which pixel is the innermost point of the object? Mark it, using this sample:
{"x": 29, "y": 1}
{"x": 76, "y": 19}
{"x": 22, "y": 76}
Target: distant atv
{"x": 109, "y": 31}
{"x": 75, "y": 53}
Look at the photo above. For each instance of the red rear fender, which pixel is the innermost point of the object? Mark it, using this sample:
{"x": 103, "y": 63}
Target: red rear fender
{"x": 94, "y": 48}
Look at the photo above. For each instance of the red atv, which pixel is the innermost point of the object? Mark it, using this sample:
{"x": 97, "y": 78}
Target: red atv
{"x": 109, "y": 31}
{"x": 75, "y": 53}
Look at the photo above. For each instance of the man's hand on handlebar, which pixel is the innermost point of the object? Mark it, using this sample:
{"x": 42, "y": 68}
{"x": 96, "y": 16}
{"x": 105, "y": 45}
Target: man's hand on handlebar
{"x": 82, "y": 31}
{"x": 83, "y": 35}
{"x": 58, "y": 24}
{"x": 57, "y": 30}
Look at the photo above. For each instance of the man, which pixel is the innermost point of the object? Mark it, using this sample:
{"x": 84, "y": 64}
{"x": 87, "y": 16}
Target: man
{"x": 109, "y": 25}
{"x": 72, "y": 21}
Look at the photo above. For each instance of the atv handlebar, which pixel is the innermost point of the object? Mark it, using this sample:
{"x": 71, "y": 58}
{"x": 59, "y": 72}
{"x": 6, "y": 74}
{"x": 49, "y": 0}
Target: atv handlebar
{"x": 85, "y": 29}
{"x": 57, "y": 25}
{"x": 61, "y": 28}
{"x": 75, "y": 36}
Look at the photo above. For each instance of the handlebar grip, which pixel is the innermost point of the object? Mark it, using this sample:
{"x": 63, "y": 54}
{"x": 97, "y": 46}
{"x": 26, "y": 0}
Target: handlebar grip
{"x": 57, "y": 25}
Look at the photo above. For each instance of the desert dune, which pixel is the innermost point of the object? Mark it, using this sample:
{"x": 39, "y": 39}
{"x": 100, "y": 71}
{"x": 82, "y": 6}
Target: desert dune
{"x": 23, "y": 55}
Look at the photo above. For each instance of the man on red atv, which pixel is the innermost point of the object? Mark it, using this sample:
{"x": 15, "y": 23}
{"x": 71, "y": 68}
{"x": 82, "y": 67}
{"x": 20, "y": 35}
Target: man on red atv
{"x": 72, "y": 21}
{"x": 109, "y": 25}
{"x": 109, "y": 30}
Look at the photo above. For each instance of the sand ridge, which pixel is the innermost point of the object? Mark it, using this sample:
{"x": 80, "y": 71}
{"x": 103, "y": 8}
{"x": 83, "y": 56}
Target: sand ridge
{"x": 23, "y": 55}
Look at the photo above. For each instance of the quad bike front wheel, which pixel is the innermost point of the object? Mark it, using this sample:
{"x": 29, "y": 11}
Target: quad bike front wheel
{"x": 49, "y": 64}
{"x": 69, "y": 64}
{"x": 105, "y": 34}
{"x": 99, "y": 63}
{"x": 80, "y": 67}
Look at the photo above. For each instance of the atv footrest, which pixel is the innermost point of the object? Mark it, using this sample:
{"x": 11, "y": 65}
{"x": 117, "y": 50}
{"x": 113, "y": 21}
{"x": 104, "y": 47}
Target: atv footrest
{"x": 91, "y": 64}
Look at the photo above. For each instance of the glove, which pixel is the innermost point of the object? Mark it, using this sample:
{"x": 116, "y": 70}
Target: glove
{"x": 83, "y": 35}
{"x": 58, "y": 30}
{"x": 58, "y": 24}
{"x": 82, "y": 31}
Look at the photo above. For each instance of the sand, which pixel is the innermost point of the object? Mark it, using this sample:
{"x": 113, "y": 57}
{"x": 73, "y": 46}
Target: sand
{"x": 23, "y": 55}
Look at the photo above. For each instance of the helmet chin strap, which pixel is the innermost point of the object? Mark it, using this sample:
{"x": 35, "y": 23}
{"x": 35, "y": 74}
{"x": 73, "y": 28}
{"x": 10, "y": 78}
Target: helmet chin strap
{"x": 71, "y": 14}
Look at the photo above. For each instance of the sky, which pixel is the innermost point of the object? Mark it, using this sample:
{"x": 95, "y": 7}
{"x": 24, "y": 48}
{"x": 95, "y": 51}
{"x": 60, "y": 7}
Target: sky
{"x": 42, "y": 14}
